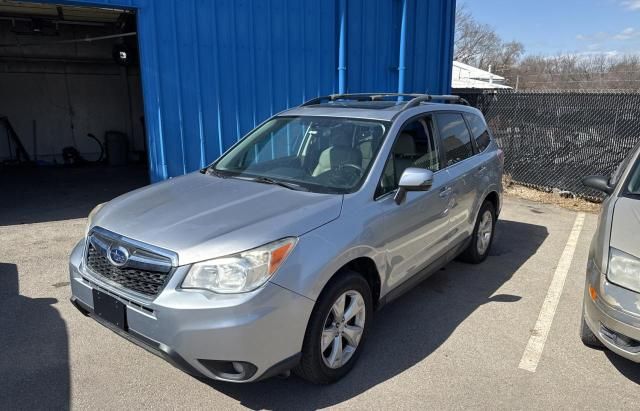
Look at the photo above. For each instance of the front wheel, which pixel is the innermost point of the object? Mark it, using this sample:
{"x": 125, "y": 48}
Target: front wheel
{"x": 587, "y": 336}
{"x": 337, "y": 329}
{"x": 482, "y": 236}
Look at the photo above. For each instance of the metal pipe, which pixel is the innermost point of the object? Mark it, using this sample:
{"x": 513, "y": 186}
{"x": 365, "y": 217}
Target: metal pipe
{"x": 342, "y": 49}
{"x": 12, "y": 18}
{"x": 84, "y": 40}
{"x": 62, "y": 59}
{"x": 403, "y": 48}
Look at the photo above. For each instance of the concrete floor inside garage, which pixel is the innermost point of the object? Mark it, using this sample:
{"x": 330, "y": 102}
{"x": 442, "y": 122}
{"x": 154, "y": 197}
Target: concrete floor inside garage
{"x": 46, "y": 194}
{"x": 455, "y": 341}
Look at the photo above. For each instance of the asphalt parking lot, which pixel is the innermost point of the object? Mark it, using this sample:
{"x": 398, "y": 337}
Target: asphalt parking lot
{"x": 455, "y": 341}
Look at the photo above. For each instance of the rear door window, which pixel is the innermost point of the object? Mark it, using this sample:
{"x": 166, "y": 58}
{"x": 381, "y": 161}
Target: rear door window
{"x": 479, "y": 131}
{"x": 455, "y": 137}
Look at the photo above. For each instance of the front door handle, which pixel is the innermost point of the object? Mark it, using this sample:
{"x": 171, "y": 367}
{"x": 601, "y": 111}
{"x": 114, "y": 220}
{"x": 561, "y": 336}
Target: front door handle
{"x": 445, "y": 192}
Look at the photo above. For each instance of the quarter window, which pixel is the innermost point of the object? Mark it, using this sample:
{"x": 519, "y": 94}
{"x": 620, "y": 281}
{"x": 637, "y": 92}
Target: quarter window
{"x": 479, "y": 131}
{"x": 455, "y": 137}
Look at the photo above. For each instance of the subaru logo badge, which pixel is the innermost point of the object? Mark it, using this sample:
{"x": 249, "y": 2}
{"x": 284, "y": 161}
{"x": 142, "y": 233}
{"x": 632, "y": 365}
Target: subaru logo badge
{"x": 118, "y": 256}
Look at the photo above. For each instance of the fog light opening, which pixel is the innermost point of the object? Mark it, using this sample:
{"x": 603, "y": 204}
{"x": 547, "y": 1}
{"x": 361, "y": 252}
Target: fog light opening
{"x": 230, "y": 370}
{"x": 620, "y": 340}
{"x": 239, "y": 367}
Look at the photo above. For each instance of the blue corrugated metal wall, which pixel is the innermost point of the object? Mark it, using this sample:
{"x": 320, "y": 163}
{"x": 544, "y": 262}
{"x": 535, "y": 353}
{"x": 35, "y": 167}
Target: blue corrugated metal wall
{"x": 213, "y": 69}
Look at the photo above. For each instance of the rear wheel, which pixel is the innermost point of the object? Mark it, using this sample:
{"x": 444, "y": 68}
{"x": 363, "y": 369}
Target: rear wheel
{"x": 482, "y": 236}
{"x": 337, "y": 329}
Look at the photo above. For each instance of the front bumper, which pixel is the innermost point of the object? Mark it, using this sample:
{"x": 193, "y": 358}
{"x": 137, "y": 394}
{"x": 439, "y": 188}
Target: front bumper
{"x": 201, "y": 332}
{"x": 614, "y": 317}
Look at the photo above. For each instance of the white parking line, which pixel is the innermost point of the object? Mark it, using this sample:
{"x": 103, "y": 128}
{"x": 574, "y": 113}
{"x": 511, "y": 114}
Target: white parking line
{"x": 533, "y": 352}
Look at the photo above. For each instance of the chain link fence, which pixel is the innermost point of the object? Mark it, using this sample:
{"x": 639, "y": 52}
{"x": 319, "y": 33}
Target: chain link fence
{"x": 552, "y": 139}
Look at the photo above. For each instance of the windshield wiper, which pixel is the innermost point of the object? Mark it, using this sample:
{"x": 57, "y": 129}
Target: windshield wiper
{"x": 264, "y": 180}
{"x": 213, "y": 171}
{"x": 267, "y": 180}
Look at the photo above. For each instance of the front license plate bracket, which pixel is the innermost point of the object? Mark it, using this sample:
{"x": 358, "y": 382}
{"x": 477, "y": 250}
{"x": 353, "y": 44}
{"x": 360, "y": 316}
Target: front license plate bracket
{"x": 110, "y": 309}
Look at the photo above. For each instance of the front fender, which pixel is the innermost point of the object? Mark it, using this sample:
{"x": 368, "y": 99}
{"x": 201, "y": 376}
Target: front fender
{"x": 319, "y": 255}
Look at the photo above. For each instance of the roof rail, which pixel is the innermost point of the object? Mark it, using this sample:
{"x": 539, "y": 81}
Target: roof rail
{"x": 358, "y": 97}
{"x": 415, "y": 101}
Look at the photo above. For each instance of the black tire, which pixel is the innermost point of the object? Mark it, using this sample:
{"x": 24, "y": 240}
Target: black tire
{"x": 471, "y": 253}
{"x": 587, "y": 336}
{"x": 312, "y": 365}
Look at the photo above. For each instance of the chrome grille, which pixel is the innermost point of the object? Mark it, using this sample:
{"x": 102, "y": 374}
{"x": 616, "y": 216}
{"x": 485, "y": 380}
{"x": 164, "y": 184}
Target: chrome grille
{"x": 145, "y": 272}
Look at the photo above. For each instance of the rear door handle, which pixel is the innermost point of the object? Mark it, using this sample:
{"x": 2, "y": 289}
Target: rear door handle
{"x": 481, "y": 170}
{"x": 445, "y": 192}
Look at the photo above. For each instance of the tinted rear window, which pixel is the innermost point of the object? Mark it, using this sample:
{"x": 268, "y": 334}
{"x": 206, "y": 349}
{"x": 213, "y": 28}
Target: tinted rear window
{"x": 479, "y": 131}
{"x": 455, "y": 137}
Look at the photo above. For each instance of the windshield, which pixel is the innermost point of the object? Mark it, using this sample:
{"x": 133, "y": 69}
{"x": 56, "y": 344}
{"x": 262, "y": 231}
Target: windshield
{"x": 320, "y": 154}
{"x": 633, "y": 185}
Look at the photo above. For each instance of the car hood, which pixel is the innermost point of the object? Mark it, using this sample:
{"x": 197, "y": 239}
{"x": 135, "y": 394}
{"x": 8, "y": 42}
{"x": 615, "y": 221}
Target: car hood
{"x": 626, "y": 226}
{"x": 201, "y": 216}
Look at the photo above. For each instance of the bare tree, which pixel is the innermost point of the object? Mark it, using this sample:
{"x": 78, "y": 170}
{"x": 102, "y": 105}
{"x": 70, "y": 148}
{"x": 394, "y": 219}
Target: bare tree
{"x": 473, "y": 40}
{"x": 479, "y": 45}
{"x": 509, "y": 54}
{"x": 570, "y": 71}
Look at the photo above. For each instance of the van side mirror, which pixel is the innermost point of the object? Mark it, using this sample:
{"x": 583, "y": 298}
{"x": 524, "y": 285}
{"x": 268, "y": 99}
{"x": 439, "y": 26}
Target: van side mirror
{"x": 413, "y": 179}
{"x": 599, "y": 183}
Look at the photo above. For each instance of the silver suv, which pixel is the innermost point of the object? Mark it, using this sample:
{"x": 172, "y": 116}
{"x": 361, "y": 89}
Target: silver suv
{"x": 276, "y": 256}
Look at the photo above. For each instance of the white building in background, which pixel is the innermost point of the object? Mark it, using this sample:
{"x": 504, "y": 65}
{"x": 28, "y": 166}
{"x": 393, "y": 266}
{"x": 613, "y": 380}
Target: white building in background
{"x": 466, "y": 76}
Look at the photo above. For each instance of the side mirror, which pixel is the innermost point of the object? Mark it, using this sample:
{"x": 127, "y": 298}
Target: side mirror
{"x": 599, "y": 183}
{"x": 413, "y": 179}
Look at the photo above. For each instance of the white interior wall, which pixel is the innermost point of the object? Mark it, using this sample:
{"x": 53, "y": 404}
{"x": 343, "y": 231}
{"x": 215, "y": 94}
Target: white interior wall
{"x": 69, "y": 90}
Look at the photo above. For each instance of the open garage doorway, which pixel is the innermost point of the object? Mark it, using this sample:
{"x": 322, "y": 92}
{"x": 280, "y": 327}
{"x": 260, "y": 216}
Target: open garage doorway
{"x": 72, "y": 131}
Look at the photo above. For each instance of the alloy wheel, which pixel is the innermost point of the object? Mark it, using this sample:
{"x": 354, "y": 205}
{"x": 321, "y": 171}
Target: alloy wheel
{"x": 485, "y": 231}
{"x": 343, "y": 329}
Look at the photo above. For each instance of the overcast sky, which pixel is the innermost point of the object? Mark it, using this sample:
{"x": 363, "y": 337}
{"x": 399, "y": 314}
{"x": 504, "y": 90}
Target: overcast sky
{"x": 564, "y": 26}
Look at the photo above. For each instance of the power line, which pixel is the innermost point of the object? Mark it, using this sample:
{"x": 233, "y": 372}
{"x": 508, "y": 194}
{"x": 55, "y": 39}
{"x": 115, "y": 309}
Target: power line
{"x": 582, "y": 81}
{"x": 585, "y": 73}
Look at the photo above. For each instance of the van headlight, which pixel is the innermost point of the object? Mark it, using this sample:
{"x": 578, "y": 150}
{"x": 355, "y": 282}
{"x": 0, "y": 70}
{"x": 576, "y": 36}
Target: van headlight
{"x": 242, "y": 272}
{"x": 624, "y": 269}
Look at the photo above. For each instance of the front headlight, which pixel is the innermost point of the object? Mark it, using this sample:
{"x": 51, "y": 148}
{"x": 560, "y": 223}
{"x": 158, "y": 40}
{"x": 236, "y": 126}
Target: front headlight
{"x": 240, "y": 272}
{"x": 91, "y": 215}
{"x": 624, "y": 269}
